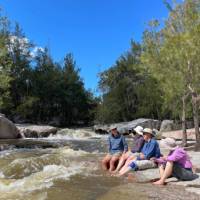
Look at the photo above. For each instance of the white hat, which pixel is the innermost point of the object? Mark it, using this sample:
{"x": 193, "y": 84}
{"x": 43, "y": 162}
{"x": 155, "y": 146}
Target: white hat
{"x": 112, "y": 127}
{"x": 139, "y": 130}
{"x": 150, "y": 131}
{"x": 168, "y": 143}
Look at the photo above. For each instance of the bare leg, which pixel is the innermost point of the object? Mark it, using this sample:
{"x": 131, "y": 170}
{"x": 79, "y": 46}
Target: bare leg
{"x": 106, "y": 161}
{"x": 124, "y": 171}
{"x": 130, "y": 159}
{"x": 161, "y": 170}
{"x": 127, "y": 163}
{"x": 113, "y": 160}
{"x": 122, "y": 160}
{"x": 167, "y": 172}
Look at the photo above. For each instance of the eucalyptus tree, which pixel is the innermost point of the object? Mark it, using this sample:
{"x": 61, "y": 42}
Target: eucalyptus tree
{"x": 172, "y": 53}
{"x": 182, "y": 35}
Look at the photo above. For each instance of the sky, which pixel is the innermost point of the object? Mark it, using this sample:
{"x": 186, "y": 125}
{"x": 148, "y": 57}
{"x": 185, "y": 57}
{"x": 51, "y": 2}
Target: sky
{"x": 97, "y": 32}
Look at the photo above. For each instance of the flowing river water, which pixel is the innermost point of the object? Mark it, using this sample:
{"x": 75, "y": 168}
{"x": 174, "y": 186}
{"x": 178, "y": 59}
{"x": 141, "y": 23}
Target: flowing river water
{"x": 71, "y": 171}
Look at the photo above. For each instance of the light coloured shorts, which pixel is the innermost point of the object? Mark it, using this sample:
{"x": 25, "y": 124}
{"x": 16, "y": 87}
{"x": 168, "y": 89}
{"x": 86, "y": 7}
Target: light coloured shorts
{"x": 130, "y": 154}
{"x": 145, "y": 164}
{"x": 118, "y": 154}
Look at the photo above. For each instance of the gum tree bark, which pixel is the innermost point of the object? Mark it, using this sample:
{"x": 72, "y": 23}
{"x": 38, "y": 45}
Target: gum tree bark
{"x": 184, "y": 136}
{"x": 196, "y": 118}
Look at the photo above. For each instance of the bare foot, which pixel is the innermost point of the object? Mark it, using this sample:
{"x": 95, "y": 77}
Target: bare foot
{"x": 159, "y": 182}
{"x": 114, "y": 172}
{"x": 154, "y": 180}
{"x": 113, "y": 175}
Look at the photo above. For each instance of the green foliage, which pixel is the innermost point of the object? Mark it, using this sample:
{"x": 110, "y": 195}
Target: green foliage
{"x": 5, "y": 64}
{"x": 167, "y": 70}
{"x": 129, "y": 91}
{"x": 150, "y": 80}
{"x": 172, "y": 54}
{"x": 36, "y": 89}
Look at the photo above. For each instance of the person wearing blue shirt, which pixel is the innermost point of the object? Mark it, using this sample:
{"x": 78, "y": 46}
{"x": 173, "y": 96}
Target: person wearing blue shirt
{"x": 117, "y": 146}
{"x": 149, "y": 151}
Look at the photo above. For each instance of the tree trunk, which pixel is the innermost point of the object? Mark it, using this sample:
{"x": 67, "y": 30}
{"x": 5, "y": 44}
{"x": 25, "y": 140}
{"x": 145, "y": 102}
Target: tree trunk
{"x": 184, "y": 136}
{"x": 196, "y": 118}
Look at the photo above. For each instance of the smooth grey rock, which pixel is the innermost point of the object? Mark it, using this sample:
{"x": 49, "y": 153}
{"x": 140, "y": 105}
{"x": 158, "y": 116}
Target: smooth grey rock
{"x": 167, "y": 125}
{"x": 147, "y": 175}
{"x": 36, "y": 131}
{"x": 8, "y": 130}
{"x": 170, "y": 125}
{"x": 126, "y": 127}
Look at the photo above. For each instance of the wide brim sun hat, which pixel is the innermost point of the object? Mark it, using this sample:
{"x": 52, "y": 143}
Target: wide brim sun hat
{"x": 139, "y": 130}
{"x": 148, "y": 130}
{"x": 168, "y": 143}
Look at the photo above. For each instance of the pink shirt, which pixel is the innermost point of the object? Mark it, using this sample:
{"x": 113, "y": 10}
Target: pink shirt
{"x": 180, "y": 156}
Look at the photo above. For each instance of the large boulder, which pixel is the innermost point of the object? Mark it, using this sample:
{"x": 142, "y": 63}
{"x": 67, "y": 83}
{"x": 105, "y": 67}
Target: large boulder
{"x": 126, "y": 127}
{"x": 36, "y": 131}
{"x": 170, "y": 125}
{"x": 8, "y": 130}
{"x": 167, "y": 125}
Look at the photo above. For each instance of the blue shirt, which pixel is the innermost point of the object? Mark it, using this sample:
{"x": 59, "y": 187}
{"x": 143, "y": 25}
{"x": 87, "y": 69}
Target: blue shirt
{"x": 117, "y": 144}
{"x": 151, "y": 149}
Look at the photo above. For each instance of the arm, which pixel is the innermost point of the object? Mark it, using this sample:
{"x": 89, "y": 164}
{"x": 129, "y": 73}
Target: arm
{"x": 109, "y": 144}
{"x": 176, "y": 155}
{"x": 124, "y": 144}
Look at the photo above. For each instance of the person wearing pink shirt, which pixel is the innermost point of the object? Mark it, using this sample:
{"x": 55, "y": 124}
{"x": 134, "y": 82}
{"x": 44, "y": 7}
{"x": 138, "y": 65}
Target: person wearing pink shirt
{"x": 176, "y": 163}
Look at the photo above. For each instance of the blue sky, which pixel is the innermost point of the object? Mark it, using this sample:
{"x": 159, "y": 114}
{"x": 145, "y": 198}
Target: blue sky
{"x": 97, "y": 32}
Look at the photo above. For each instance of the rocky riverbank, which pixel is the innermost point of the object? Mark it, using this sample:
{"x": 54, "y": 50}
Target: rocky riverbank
{"x": 149, "y": 192}
{"x": 145, "y": 176}
{"x": 127, "y": 127}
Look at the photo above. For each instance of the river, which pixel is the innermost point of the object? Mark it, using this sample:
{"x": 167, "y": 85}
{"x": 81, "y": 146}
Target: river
{"x": 71, "y": 171}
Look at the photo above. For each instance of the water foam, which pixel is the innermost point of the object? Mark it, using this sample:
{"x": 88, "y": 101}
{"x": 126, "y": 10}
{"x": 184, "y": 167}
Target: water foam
{"x": 42, "y": 179}
{"x": 21, "y": 167}
{"x": 1, "y": 175}
{"x": 74, "y": 134}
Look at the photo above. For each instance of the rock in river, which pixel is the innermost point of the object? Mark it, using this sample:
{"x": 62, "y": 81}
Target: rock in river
{"x": 36, "y": 131}
{"x": 8, "y": 130}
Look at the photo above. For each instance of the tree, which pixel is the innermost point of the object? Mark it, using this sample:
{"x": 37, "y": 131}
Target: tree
{"x": 19, "y": 49}
{"x": 5, "y": 64}
{"x": 128, "y": 89}
{"x": 172, "y": 53}
{"x": 75, "y": 98}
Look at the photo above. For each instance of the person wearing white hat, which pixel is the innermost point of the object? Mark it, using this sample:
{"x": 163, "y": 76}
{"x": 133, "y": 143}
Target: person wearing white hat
{"x": 117, "y": 146}
{"x": 149, "y": 150}
{"x": 176, "y": 163}
{"x": 138, "y": 144}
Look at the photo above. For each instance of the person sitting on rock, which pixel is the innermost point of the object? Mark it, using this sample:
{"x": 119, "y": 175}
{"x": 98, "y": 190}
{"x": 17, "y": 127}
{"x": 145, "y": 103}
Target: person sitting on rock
{"x": 117, "y": 146}
{"x": 138, "y": 144}
{"x": 149, "y": 151}
{"x": 176, "y": 163}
